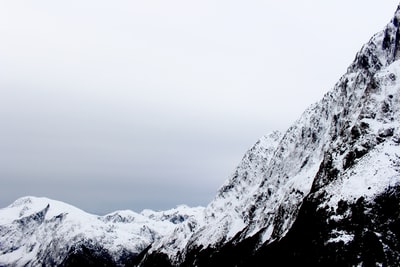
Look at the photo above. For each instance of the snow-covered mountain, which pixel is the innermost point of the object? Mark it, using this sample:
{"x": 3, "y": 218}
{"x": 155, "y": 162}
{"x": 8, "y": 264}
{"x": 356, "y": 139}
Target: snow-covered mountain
{"x": 40, "y": 231}
{"x": 324, "y": 193}
{"x": 343, "y": 151}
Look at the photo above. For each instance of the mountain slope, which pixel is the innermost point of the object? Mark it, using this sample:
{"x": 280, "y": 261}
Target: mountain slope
{"x": 343, "y": 149}
{"x": 236, "y": 193}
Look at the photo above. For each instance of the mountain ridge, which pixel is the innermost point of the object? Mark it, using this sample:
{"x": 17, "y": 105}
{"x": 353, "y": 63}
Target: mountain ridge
{"x": 32, "y": 229}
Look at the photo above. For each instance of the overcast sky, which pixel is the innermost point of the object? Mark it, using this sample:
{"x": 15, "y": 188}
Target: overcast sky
{"x": 113, "y": 105}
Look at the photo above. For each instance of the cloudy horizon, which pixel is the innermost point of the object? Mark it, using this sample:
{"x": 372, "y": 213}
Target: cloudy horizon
{"x": 152, "y": 104}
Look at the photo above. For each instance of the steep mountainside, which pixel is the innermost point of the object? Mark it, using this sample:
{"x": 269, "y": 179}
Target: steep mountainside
{"x": 324, "y": 193}
{"x": 339, "y": 159}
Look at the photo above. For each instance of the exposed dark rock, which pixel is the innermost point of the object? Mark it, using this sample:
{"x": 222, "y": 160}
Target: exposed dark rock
{"x": 374, "y": 228}
{"x": 88, "y": 255}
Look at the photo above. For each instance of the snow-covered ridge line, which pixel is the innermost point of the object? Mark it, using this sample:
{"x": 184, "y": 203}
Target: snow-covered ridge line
{"x": 37, "y": 231}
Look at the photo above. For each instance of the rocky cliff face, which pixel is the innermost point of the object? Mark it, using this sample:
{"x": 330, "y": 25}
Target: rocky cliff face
{"x": 324, "y": 193}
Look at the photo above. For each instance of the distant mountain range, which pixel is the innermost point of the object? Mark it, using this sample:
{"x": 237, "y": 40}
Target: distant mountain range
{"x": 324, "y": 193}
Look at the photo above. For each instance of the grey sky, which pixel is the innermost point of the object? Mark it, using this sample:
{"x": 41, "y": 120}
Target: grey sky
{"x": 148, "y": 104}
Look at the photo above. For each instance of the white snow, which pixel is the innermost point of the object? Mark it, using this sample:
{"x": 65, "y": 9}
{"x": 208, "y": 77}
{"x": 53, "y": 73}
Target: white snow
{"x": 341, "y": 236}
{"x": 372, "y": 174}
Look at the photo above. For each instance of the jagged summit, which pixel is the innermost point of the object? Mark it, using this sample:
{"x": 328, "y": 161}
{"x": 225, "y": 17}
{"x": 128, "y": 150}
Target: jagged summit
{"x": 324, "y": 193}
